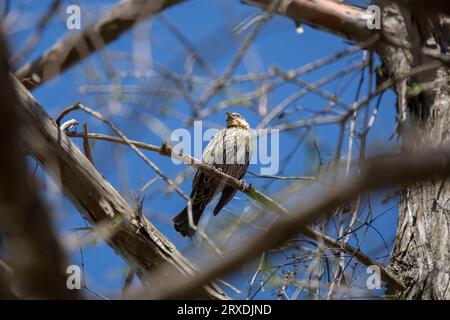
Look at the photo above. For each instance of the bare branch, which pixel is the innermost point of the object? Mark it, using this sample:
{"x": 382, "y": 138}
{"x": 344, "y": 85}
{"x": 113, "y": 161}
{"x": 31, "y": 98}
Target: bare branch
{"x": 74, "y": 48}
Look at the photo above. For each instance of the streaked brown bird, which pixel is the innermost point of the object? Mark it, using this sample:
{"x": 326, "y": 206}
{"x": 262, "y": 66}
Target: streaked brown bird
{"x": 228, "y": 151}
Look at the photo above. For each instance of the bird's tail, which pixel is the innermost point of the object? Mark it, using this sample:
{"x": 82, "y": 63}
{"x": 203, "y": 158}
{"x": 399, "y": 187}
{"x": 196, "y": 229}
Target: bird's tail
{"x": 181, "y": 220}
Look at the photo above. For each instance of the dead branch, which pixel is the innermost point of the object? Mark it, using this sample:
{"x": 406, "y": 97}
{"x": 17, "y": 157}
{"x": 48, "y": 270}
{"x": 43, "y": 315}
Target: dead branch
{"x": 136, "y": 240}
{"x": 86, "y": 146}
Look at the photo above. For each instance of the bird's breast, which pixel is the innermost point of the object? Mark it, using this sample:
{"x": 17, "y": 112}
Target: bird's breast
{"x": 229, "y": 150}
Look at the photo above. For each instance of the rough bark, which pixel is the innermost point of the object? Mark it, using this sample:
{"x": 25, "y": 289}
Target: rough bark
{"x": 388, "y": 170}
{"x": 421, "y": 255}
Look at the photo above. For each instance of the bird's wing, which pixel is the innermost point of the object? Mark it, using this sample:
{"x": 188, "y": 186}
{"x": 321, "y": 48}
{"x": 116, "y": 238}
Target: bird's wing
{"x": 226, "y": 196}
{"x": 238, "y": 170}
{"x": 203, "y": 190}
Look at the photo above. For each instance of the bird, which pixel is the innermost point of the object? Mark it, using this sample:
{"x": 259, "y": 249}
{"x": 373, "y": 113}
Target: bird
{"x": 228, "y": 151}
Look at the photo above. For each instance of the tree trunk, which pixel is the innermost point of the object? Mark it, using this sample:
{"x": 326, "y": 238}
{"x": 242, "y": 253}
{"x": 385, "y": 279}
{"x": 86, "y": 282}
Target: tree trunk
{"x": 421, "y": 255}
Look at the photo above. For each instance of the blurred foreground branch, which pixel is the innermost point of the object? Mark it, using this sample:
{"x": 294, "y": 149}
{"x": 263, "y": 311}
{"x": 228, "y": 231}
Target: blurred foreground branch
{"x": 390, "y": 170}
{"x": 338, "y": 18}
{"x": 37, "y": 260}
{"x": 75, "y": 47}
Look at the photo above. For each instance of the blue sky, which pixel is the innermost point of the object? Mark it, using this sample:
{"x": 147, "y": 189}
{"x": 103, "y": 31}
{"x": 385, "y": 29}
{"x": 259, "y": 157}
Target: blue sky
{"x": 207, "y": 25}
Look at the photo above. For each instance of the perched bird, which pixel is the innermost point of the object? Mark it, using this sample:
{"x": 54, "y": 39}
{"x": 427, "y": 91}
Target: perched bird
{"x": 228, "y": 151}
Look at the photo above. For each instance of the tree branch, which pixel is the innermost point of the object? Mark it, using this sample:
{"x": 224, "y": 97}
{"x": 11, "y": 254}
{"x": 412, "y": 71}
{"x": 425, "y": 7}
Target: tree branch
{"x": 36, "y": 257}
{"x": 256, "y": 195}
{"x": 77, "y": 46}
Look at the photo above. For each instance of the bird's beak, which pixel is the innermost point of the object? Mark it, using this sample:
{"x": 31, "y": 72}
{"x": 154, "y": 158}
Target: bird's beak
{"x": 228, "y": 115}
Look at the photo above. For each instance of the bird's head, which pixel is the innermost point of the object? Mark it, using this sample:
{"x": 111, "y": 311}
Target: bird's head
{"x": 234, "y": 119}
